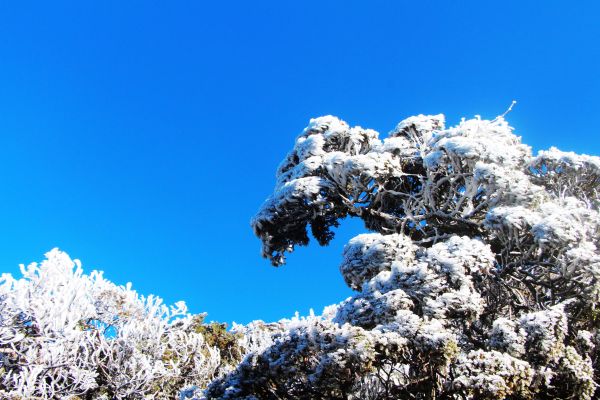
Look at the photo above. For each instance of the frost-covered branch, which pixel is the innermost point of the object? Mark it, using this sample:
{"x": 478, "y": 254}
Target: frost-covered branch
{"x": 64, "y": 333}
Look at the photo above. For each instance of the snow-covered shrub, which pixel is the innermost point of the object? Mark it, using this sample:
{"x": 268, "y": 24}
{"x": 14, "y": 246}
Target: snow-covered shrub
{"x": 65, "y": 334}
{"x": 480, "y": 278}
{"x": 311, "y": 358}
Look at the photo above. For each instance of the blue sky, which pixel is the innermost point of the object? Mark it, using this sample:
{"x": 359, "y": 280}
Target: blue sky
{"x": 142, "y": 137}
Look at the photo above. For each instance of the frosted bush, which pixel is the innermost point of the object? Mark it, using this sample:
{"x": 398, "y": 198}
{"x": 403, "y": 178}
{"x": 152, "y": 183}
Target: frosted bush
{"x": 65, "y": 334}
{"x": 482, "y": 264}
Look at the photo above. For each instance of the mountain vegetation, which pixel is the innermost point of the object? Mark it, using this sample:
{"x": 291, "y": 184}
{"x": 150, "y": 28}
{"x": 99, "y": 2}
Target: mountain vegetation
{"x": 477, "y": 278}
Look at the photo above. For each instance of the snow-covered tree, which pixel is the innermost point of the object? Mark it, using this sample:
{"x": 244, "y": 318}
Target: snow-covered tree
{"x": 479, "y": 278}
{"x": 68, "y": 335}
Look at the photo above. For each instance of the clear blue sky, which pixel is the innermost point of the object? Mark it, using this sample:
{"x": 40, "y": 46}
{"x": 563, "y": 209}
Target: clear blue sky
{"x": 141, "y": 137}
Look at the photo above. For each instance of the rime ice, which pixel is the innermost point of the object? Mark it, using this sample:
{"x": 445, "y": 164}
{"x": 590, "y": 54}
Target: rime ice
{"x": 480, "y": 277}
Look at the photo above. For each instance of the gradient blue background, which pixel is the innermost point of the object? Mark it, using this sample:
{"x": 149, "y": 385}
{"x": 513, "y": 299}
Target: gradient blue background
{"x": 141, "y": 137}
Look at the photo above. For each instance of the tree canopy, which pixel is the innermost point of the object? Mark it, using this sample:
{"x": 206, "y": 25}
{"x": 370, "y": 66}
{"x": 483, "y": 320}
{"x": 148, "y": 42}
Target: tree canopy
{"x": 478, "y": 279}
